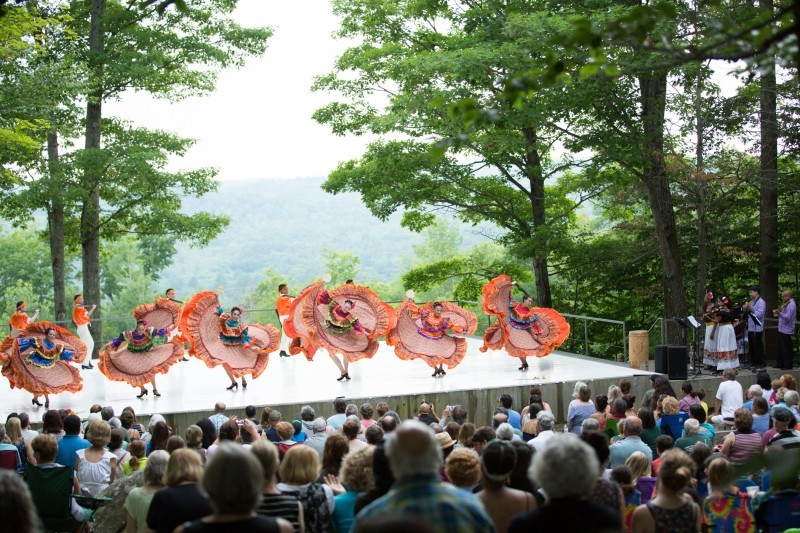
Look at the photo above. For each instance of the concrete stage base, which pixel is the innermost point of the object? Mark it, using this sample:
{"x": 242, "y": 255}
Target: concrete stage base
{"x": 190, "y": 389}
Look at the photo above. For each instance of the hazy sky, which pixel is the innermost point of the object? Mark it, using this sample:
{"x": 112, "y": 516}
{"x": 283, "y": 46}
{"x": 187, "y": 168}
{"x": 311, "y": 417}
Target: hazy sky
{"x": 257, "y": 124}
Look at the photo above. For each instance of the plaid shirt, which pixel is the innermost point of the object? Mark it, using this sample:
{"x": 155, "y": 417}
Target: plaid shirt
{"x": 441, "y": 505}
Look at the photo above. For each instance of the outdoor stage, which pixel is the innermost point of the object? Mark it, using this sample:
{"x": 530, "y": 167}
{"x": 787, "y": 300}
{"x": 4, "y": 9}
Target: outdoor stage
{"x": 190, "y": 389}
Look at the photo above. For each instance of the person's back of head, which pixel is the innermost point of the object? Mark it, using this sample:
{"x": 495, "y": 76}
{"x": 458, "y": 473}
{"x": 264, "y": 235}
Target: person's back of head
{"x": 193, "y": 436}
{"x": 96, "y": 408}
{"x": 691, "y": 426}
{"x": 285, "y": 430}
{"x": 624, "y": 477}
{"x": 791, "y": 398}
{"x": 505, "y": 432}
{"x": 664, "y": 443}
{"x": 381, "y": 408}
{"x": 729, "y": 374}
{"x": 117, "y": 438}
{"x": 506, "y": 401}
{"x": 156, "y": 468}
{"x": 350, "y": 429}
{"x": 307, "y": 413}
{"x": 763, "y": 380}
{"x": 463, "y": 469}
{"x": 175, "y": 442}
{"x": 388, "y": 424}
{"x": 339, "y": 405}
{"x": 184, "y": 466}
{"x": 25, "y": 420}
{"x": 720, "y": 473}
{"x": 72, "y": 425}
{"x": 320, "y": 425}
{"x": 589, "y": 425}
{"x": 233, "y": 480}
{"x": 452, "y": 429}
{"x": 697, "y": 412}
{"x": 675, "y": 470}
{"x": 546, "y": 420}
{"x": 566, "y": 468}
{"x": 45, "y": 448}
{"x": 633, "y": 426}
{"x": 760, "y": 406}
{"x": 107, "y": 413}
{"x": 138, "y": 450}
{"x": 639, "y": 465}
{"x": 755, "y": 391}
{"x": 498, "y": 460}
{"x": 19, "y": 511}
{"x": 645, "y": 414}
{"x": 373, "y": 434}
{"x": 459, "y": 414}
{"x": 250, "y": 411}
{"x": 625, "y": 386}
{"x": 267, "y": 454}
{"x": 670, "y": 406}
{"x": 219, "y": 407}
{"x": 599, "y": 444}
{"x": 300, "y": 465}
{"x": 351, "y": 410}
{"x": 499, "y": 418}
{"x": 413, "y": 451}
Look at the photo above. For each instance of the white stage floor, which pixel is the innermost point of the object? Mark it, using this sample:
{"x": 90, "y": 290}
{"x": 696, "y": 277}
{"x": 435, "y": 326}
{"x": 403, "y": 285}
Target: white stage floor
{"x": 191, "y": 386}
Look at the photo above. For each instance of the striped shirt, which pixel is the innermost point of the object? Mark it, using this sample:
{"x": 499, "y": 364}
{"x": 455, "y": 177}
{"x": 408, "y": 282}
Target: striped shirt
{"x": 280, "y": 506}
{"x": 744, "y": 446}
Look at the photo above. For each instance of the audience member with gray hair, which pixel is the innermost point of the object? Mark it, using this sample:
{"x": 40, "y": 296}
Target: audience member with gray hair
{"x": 692, "y": 436}
{"x": 307, "y": 416}
{"x": 415, "y": 458}
{"x": 505, "y": 432}
{"x": 631, "y": 442}
{"x": 373, "y": 435}
{"x": 319, "y": 434}
{"x": 791, "y": 398}
{"x": 566, "y": 471}
{"x": 351, "y": 410}
{"x": 546, "y": 420}
{"x": 589, "y": 425}
{"x": 755, "y": 391}
{"x": 137, "y": 503}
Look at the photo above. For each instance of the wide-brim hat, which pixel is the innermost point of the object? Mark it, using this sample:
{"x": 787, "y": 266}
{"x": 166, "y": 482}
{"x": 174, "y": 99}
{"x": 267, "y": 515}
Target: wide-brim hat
{"x": 445, "y": 440}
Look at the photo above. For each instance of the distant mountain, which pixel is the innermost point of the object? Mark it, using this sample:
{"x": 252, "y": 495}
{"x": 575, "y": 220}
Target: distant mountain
{"x": 286, "y": 224}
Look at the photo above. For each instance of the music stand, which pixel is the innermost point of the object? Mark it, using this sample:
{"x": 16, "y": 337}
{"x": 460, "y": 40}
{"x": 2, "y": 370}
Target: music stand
{"x": 691, "y": 323}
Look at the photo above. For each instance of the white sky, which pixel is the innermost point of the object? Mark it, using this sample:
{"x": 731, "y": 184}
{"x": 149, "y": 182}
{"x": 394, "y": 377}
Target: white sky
{"x": 257, "y": 124}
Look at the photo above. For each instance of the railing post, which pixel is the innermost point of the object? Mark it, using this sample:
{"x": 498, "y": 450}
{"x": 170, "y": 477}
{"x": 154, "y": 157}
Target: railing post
{"x": 586, "y": 336}
{"x": 624, "y": 342}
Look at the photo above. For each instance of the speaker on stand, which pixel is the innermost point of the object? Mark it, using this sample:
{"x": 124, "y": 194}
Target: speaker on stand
{"x": 671, "y": 359}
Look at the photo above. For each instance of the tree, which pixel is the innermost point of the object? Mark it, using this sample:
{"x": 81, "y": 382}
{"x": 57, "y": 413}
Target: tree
{"x": 340, "y": 265}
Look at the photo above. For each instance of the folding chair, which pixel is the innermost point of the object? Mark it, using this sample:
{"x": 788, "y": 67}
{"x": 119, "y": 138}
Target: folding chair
{"x": 672, "y": 425}
{"x": 780, "y": 512}
{"x": 9, "y": 459}
{"x": 51, "y": 489}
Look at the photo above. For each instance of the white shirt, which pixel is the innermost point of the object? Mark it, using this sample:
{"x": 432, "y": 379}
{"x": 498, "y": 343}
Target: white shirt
{"x": 731, "y": 394}
{"x": 541, "y": 439}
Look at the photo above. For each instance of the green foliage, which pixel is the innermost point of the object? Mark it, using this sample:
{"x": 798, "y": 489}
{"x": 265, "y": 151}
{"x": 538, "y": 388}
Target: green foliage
{"x": 340, "y": 265}
{"x": 125, "y": 284}
{"x": 25, "y": 271}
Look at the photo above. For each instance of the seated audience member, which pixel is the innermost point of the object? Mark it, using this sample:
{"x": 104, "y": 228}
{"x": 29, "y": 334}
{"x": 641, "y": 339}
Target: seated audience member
{"x": 388, "y": 424}
{"x": 696, "y": 411}
{"x": 373, "y": 435}
{"x": 356, "y": 477}
{"x": 742, "y": 443}
{"x": 383, "y": 478}
{"x": 791, "y": 398}
{"x": 623, "y": 476}
{"x": 600, "y": 406}
{"x": 336, "y": 420}
{"x": 605, "y": 491}
{"x": 415, "y": 459}
{"x": 482, "y": 436}
{"x": 96, "y": 466}
{"x": 725, "y": 508}
{"x": 463, "y": 469}
{"x": 350, "y": 430}
{"x": 336, "y": 448}
{"x": 590, "y": 425}
{"x": 753, "y": 392}
{"x": 689, "y": 398}
{"x": 209, "y": 432}
{"x": 19, "y": 511}
{"x": 691, "y": 436}
{"x": 160, "y": 434}
{"x": 671, "y": 419}
{"x": 138, "y": 458}
{"x": 580, "y": 410}
{"x": 505, "y": 432}
{"x": 465, "y": 433}
{"x": 730, "y": 397}
{"x": 316, "y": 440}
{"x": 760, "y": 411}
{"x": 228, "y": 431}
{"x": 175, "y": 443}
{"x": 137, "y": 503}
{"x": 45, "y": 447}
{"x": 650, "y": 431}
{"x": 546, "y": 421}
{"x": 699, "y": 456}
{"x": 514, "y": 418}
{"x": 566, "y": 470}
{"x": 299, "y": 472}
{"x": 631, "y": 442}
{"x": 616, "y": 415}
{"x": 274, "y": 503}
{"x": 501, "y": 502}
{"x": 663, "y": 443}
{"x": 194, "y": 441}
{"x": 530, "y": 426}
{"x": 232, "y": 481}
{"x": 614, "y": 393}
{"x": 669, "y": 510}
{"x": 285, "y": 433}
{"x": 630, "y": 401}
{"x": 452, "y": 429}
{"x": 181, "y": 500}
{"x": 783, "y": 435}
{"x": 273, "y": 419}
{"x": 71, "y": 442}
{"x": 23, "y": 445}
{"x": 641, "y": 469}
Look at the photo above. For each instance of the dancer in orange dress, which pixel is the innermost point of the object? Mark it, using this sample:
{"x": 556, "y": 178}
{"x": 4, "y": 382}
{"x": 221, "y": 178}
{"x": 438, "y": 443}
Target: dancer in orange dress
{"x": 421, "y": 333}
{"x": 20, "y": 319}
{"x": 346, "y": 321}
{"x": 38, "y": 360}
{"x": 134, "y": 358}
{"x": 522, "y": 329}
{"x": 219, "y": 338}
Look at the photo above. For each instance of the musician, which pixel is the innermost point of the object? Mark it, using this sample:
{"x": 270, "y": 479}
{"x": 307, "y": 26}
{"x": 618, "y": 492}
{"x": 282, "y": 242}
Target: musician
{"x": 282, "y": 308}
{"x": 757, "y": 308}
{"x": 20, "y": 319}
{"x": 82, "y": 317}
{"x": 786, "y": 315}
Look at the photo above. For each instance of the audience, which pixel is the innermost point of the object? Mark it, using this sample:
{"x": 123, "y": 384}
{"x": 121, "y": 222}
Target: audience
{"x": 71, "y": 442}
{"x": 501, "y": 502}
{"x": 45, "y": 447}
{"x": 336, "y": 447}
{"x": 669, "y": 510}
{"x": 316, "y": 440}
{"x": 23, "y": 446}
{"x": 580, "y": 410}
{"x": 725, "y": 508}
{"x": 96, "y": 466}
{"x": 194, "y": 441}
{"x": 137, "y": 504}
{"x": 730, "y": 397}
{"x": 299, "y": 471}
{"x": 181, "y": 500}
{"x": 514, "y": 417}
{"x": 218, "y": 418}
{"x": 650, "y": 431}
{"x": 463, "y": 469}
{"x": 691, "y": 436}
{"x": 641, "y": 474}
{"x": 482, "y": 436}
{"x": 546, "y": 421}
{"x": 689, "y": 397}
{"x": 273, "y": 502}
{"x": 743, "y": 442}
{"x": 16, "y": 504}
{"x": 209, "y": 432}
{"x": 366, "y": 415}
{"x": 350, "y": 430}
{"x": 138, "y": 457}
{"x": 356, "y": 477}
{"x": 605, "y": 491}
{"x": 631, "y": 442}
{"x": 336, "y": 420}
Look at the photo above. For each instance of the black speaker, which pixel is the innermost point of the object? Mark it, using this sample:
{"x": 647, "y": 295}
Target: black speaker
{"x": 672, "y": 360}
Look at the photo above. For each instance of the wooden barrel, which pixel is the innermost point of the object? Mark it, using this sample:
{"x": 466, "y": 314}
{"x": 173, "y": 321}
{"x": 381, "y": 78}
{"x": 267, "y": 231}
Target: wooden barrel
{"x": 639, "y": 349}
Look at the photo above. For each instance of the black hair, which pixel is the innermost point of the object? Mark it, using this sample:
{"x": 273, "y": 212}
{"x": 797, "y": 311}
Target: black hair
{"x": 76, "y": 297}
{"x": 142, "y": 322}
{"x": 499, "y": 458}
{"x": 236, "y": 309}
{"x": 763, "y": 380}
{"x": 697, "y": 411}
{"x": 599, "y": 444}
{"x": 167, "y": 291}
{"x": 250, "y": 411}
{"x": 48, "y": 329}
{"x": 506, "y": 400}
{"x": 72, "y": 424}
{"x": 281, "y": 286}
{"x": 601, "y": 402}
{"x": 437, "y": 304}
{"x": 687, "y": 389}
{"x": 349, "y": 281}
{"x": 349, "y": 301}
{"x": 19, "y": 303}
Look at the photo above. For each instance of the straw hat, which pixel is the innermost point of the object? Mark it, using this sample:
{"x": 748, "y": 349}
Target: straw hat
{"x": 445, "y": 440}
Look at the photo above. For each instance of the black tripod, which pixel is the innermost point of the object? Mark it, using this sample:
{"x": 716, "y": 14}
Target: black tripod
{"x": 695, "y": 360}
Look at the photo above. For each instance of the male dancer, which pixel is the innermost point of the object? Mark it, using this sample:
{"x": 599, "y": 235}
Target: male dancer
{"x": 82, "y": 318}
{"x": 20, "y": 319}
{"x": 282, "y": 308}
{"x": 755, "y": 330}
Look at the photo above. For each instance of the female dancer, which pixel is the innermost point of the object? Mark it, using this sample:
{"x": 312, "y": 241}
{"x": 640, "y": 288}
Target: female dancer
{"x": 346, "y": 321}
{"x": 421, "y": 332}
{"x": 219, "y": 338}
{"x": 38, "y": 361}
{"x": 134, "y": 358}
{"x": 523, "y": 330}
{"x": 721, "y": 348}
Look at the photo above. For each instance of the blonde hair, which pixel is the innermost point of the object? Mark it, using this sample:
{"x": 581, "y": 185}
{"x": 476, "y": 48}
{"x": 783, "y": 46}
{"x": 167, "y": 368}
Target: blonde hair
{"x": 675, "y": 470}
{"x": 14, "y": 430}
{"x": 45, "y": 447}
{"x": 720, "y": 473}
{"x": 463, "y": 468}
{"x": 300, "y": 465}
{"x": 267, "y": 454}
{"x": 356, "y": 472}
{"x": 98, "y": 432}
{"x": 184, "y": 465}
{"x": 670, "y": 406}
{"x": 614, "y": 393}
{"x": 194, "y": 436}
{"x": 640, "y": 466}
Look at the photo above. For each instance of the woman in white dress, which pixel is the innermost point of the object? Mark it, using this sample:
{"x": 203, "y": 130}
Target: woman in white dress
{"x": 95, "y": 465}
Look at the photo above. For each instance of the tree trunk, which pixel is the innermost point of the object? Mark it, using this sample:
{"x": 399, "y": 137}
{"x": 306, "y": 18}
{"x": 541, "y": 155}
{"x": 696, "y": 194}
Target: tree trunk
{"x": 702, "y": 221}
{"x": 768, "y": 266}
{"x": 533, "y": 166}
{"x": 653, "y": 87}
{"x": 90, "y": 214}
{"x": 55, "y": 229}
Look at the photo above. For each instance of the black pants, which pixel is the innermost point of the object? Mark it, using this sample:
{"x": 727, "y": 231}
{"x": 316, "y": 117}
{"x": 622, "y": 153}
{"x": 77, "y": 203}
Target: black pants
{"x": 785, "y": 352}
{"x": 755, "y": 340}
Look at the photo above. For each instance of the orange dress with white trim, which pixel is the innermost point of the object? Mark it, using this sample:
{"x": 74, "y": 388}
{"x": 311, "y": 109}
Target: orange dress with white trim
{"x": 216, "y": 340}
{"x": 136, "y": 359}
{"x": 319, "y": 319}
{"x": 520, "y": 330}
{"x": 419, "y": 334}
{"x": 30, "y": 362}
